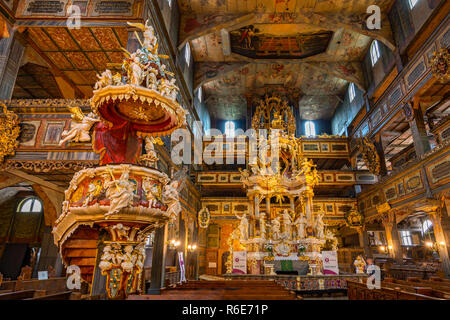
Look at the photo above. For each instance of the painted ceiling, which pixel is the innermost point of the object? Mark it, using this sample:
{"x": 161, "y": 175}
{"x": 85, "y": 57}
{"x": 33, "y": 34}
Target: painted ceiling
{"x": 80, "y": 54}
{"x": 311, "y": 49}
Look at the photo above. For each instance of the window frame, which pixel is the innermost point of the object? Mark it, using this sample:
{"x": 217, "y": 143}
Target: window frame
{"x": 406, "y": 234}
{"x": 374, "y": 48}
{"x": 310, "y": 128}
{"x": 411, "y": 4}
{"x": 187, "y": 54}
{"x": 351, "y": 92}
{"x": 32, "y": 206}
{"x": 228, "y": 131}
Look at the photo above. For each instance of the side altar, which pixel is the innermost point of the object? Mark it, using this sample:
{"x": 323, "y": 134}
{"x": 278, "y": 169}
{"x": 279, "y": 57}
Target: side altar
{"x": 275, "y": 238}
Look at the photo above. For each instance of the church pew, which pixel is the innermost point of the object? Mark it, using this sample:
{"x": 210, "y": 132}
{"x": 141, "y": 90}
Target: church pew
{"x": 423, "y": 283}
{"x": 360, "y": 291}
{"x": 8, "y": 285}
{"x": 18, "y": 295}
{"x": 52, "y": 285}
{"x": 56, "y": 296}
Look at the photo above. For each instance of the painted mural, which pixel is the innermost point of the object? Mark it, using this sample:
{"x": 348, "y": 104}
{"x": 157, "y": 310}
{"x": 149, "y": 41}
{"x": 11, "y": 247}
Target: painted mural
{"x": 250, "y": 42}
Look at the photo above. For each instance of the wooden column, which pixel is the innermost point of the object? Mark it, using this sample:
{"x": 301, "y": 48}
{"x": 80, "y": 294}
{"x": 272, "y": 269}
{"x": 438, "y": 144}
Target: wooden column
{"x": 158, "y": 260}
{"x": 11, "y": 52}
{"x": 379, "y": 146}
{"x": 364, "y": 241}
{"x": 419, "y": 132}
{"x": 392, "y": 237}
{"x": 442, "y": 245}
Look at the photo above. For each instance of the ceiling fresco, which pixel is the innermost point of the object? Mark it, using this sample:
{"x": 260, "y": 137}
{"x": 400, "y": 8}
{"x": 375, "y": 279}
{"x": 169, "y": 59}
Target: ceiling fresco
{"x": 310, "y": 48}
{"x": 249, "y": 41}
{"x": 80, "y": 53}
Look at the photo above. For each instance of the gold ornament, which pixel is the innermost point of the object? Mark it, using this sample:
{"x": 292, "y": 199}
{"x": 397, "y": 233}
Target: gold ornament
{"x": 370, "y": 155}
{"x": 9, "y": 132}
{"x": 439, "y": 65}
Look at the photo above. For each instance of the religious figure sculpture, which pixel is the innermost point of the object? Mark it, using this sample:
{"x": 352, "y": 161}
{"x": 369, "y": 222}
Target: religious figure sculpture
{"x": 120, "y": 192}
{"x": 359, "y": 264}
{"x": 262, "y": 225}
{"x": 170, "y": 197}
{"x": 300, "y": 224}
{"x": 243, "y": 226}
{"x": 80, "y": 127}
{"x": 276, "y": 228}
{"x": 152, "y": 191}
{"x": 287, "y": 222}
{"x": 319, "y": 226}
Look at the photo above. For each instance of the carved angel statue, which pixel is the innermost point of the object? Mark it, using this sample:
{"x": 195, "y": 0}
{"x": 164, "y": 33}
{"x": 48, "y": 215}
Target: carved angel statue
{"x": 243, "y": 226}
{"x": 120, "y": 192}
{"x": 170, "y": 197}
{"x": 151, "y": 80}
{"x": 300, "y": 224}
{"x": 80, "y": 127}
{"x": 112, "y": 255}
{"x": 129, "y": 259}
{"x": 150, "y": 41}
{"x": 134, "y": 70}
{"x": 319, "y": 226}
{"x": 104, "y": 80}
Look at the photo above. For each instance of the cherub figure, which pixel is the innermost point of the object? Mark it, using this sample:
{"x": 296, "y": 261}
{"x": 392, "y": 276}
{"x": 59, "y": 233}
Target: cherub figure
{"x": 80, "y": 127}
{"x": 105, "y": 79}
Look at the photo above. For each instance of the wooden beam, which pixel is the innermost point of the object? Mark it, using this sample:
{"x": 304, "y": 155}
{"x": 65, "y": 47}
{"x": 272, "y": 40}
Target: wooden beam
{"x": 37, "y": 180}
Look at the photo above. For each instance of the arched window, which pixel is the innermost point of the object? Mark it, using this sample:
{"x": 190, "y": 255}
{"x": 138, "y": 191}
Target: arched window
{"x": 412, "y": 3}
{"x": 187, "y": 54}
{"x": 426, "y": 225}
{"x": 374, "y": 52}
{"x": 310, "y": 129}
{"x": 30, "y": 205}
{"x": 351, "y": 91}
{"x": 229, "y": 129}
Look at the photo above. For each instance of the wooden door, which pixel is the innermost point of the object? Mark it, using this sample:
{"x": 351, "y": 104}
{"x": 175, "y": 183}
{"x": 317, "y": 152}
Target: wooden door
{"x": 211, "y": 261}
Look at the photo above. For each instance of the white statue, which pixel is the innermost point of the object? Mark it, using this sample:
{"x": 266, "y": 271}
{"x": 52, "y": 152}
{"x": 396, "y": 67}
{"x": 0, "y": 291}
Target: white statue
{"x": 170, "y": 197}
{"x": 128, "y": 259}
{"x": 262, "y": 225}
{"x": 120, "y": 192}
{"x": 151, "y": 191}
{"x": 287, "y": 222}
{"x": 300, "y": 223}
{"x": 104, "y": 80}
{"x": 121, "y": 230}
{"x": 151, "y": 81}
{"x": 276, "y": 228}
{"x": 243, "y": 226}
{"x": 173, "y": 90}
{"x": 319, "y": 226}
{"x": 80, "y": 127}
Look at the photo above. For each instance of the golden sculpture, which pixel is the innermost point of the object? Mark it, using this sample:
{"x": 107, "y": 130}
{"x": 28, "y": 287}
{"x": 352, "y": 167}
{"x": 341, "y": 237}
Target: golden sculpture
{"x": 9, "y": 132}
{"x": 440, "y": 65}
{"x": 274, "y": 113}
{"x": 370, "y": 155}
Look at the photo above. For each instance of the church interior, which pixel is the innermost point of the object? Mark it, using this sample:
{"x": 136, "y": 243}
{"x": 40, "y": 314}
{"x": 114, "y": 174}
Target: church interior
{"x": 224, "y": 150}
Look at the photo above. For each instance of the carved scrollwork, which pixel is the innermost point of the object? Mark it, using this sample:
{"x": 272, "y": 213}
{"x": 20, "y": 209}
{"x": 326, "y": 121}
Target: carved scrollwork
{"x": 9, "y": 132}
{"x": 440, "y": 65}
{"x": 370, "y": 155}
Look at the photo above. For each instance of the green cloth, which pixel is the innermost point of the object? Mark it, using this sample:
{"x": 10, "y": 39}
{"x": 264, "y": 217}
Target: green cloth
{"x": 286, "y": 265}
